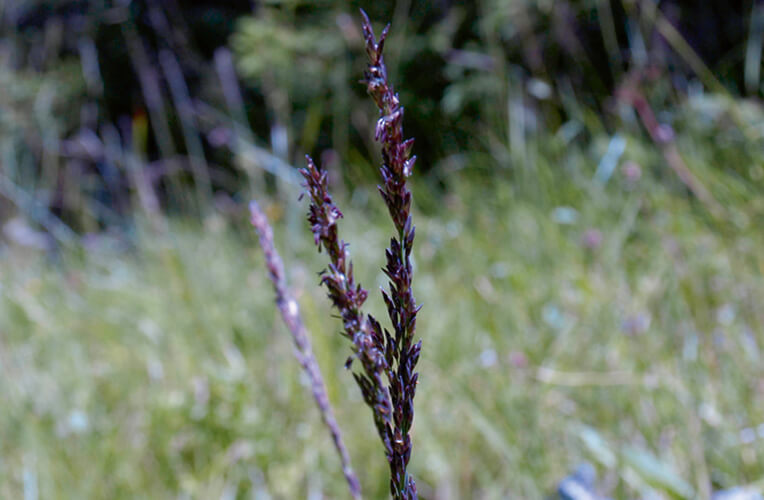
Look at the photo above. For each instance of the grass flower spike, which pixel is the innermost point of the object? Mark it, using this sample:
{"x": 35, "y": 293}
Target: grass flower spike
{"x": 348, "y": 297}
{"x": 384, "y": 356}
{"x": 397, "y": 166}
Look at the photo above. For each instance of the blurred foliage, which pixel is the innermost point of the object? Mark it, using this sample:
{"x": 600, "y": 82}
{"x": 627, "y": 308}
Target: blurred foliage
{"x": 467, "y": 71}
{"x": 602, "y": 323}
{"x": 479, "y": 79}
{"x": 86, "y": 99}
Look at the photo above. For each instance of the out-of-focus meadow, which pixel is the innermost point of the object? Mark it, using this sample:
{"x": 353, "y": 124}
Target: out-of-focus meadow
{"x": 590, "y": 225}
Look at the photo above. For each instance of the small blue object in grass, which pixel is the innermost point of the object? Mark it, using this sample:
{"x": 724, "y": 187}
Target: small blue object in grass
{"x": 580, "y": 485}
{"x": 565, "y": 215}
{"x": 738, "y": 493}
{"x": 610, "y": 159}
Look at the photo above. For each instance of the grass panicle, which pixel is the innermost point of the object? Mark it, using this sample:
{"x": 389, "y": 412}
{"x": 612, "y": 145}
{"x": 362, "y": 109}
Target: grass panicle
{"x": 381, "y": 352}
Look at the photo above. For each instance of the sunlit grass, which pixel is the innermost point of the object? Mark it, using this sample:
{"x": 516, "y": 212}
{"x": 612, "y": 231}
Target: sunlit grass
{"x": 619, "y": 325}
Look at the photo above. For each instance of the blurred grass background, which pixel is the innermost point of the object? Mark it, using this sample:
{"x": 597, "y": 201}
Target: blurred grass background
{"x": 591, "y": 277}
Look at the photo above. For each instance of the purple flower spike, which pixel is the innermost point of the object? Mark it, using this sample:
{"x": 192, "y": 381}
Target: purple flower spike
{"x": 388, "y": 359}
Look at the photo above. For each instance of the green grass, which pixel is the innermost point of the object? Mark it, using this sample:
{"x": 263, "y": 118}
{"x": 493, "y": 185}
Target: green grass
{"x": 165, "y": 370}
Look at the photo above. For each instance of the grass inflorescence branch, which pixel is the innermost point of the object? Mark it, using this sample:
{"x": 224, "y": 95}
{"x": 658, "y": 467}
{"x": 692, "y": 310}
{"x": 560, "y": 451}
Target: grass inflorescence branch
{"x": 348, "y": 297}
{"x": 397, "y": 166}
{"x": 290, "y": 313}
{"x": 384, "y": 356}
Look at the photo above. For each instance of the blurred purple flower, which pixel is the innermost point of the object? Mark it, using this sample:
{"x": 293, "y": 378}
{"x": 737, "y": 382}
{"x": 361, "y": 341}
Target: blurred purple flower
{"x": 592, "y": 239}
{"x": 631, "y": 171}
